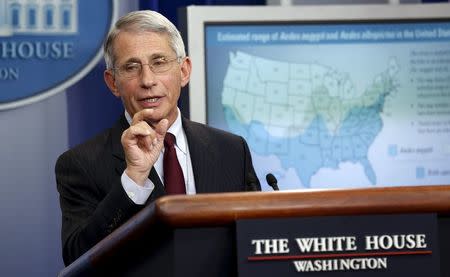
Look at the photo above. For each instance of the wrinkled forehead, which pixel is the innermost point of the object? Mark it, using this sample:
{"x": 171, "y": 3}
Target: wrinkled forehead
{"x": 145, "y": 45}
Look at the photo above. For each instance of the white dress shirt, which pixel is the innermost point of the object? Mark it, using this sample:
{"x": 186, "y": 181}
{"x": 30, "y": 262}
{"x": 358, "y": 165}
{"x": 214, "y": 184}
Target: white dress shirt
{"x": 139, "y": 194}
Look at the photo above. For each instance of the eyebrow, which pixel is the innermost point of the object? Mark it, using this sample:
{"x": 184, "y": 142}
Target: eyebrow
{"x": 152, "y": 57}
{"x": 132, "y": 60}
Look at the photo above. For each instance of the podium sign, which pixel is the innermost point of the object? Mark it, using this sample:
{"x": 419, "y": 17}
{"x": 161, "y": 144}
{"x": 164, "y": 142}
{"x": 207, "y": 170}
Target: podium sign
{"x": 372, "y": 245}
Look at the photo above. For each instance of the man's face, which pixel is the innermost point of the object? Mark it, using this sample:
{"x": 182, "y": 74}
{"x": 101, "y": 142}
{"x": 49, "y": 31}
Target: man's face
{"x": 148, "y": 90}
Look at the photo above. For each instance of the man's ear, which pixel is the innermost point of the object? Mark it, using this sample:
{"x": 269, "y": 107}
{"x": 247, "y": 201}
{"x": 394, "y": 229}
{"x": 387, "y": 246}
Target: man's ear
{"x": 110, "y": 81}
{"x": 186, "y": 67}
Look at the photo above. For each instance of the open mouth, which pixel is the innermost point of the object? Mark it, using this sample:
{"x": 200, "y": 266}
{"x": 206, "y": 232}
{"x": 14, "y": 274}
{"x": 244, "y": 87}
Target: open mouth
{"x": 151, "y": 100}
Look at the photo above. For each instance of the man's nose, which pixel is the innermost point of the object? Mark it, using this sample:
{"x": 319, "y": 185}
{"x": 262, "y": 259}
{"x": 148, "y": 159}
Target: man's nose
{"x": 148, "y": 78}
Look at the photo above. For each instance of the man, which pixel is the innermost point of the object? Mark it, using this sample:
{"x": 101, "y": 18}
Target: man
{"x": 106, "y": 180}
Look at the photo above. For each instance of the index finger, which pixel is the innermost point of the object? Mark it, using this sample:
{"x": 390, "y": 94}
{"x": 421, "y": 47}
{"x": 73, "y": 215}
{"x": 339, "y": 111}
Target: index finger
{"x": 141, "y": 115}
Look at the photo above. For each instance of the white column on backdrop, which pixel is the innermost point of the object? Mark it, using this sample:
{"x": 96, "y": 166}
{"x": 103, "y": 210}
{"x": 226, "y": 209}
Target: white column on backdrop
{"x": 5, "y": 29}
{"x": 286, "y": 2}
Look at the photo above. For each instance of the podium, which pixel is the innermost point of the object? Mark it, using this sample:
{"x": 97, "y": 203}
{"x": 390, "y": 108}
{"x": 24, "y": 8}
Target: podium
{"x": 195, "y": 235}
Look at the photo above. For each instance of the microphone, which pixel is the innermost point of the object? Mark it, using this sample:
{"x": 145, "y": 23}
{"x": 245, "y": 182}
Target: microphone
{"x": 251, "y": 182}
{"x": 272, "y": 181}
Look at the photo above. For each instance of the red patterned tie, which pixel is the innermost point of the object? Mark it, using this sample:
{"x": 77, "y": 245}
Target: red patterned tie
{"x": 173, "y": 175}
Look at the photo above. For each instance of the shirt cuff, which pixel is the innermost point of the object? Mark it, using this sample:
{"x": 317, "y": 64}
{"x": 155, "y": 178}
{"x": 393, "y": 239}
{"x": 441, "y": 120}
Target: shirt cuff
{"x": 137, "y": 194}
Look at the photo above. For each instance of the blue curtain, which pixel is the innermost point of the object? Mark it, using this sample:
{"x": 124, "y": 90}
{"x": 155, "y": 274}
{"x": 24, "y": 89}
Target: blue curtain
{"x": 170, "y": 8}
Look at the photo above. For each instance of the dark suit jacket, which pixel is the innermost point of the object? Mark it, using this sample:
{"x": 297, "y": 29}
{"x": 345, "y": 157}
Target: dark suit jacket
{"x": 93, "y": 201}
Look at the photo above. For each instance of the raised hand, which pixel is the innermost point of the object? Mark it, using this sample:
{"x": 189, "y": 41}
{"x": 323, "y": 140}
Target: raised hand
{"x": 142, "y": 143}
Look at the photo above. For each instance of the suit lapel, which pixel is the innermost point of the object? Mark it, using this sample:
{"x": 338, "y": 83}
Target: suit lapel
{"x": 201, "y": 157}
{"x": 159, "y": 190}
{"x": 119, "y": 158}
{"x": 117, "y": 150}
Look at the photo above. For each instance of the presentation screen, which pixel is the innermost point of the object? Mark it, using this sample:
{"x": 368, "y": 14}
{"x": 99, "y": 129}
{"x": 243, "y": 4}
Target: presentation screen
{"x": 330, "y": 97}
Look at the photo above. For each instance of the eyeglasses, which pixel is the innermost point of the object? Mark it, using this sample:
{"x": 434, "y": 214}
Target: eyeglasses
{"x": 134, "y": 69}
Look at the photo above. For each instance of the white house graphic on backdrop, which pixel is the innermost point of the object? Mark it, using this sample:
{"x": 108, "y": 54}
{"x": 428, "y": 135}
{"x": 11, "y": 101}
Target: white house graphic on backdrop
{"x": 38, "y": 17}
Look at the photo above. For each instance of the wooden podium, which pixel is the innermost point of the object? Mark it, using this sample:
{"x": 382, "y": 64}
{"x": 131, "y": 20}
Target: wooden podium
{"x": 195, "y": 235}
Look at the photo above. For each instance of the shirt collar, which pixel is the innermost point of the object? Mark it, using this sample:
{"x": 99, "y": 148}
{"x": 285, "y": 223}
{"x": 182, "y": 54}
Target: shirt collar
{"x": 176, "y": 129}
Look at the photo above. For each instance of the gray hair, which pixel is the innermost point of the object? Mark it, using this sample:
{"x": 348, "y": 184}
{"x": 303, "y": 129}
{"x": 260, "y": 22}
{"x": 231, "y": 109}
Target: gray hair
{"x": 143, "y": 21}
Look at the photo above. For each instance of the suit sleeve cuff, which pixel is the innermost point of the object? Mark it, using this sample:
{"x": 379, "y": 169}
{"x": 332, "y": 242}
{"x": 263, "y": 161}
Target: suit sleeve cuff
{"x": 137, "y": 194}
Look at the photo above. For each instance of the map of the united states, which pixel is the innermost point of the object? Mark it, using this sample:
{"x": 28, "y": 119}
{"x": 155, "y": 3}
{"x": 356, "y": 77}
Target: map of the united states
{"x": 307, "y": 114}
